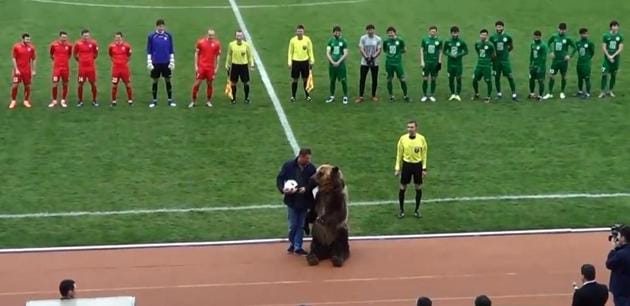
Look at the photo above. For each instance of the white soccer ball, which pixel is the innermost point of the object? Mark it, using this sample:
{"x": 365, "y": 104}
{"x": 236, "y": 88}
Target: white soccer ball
{"x": 290, "y": 185}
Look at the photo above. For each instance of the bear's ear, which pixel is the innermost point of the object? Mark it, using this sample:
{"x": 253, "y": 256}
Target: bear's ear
{"x": 335, "y": 170}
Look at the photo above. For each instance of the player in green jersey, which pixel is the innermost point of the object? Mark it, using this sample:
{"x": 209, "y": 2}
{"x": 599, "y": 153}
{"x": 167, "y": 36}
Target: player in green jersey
{"x": 503, "y": 45}
{"x": 612, "y": 47}
{"x": 394, "y": 48}
{"x": 336, "y": 52}
{"x": 455, "y": 49}
{"x": 538, "y": 52}
{"x": 586, "y": 51}
{"x": 559, "y": 45}
{"x": 485, "y": 56}
{"x": 431, "y": 62}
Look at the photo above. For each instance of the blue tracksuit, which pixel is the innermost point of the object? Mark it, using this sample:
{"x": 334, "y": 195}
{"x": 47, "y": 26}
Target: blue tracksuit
{"x": 160, "y": 47}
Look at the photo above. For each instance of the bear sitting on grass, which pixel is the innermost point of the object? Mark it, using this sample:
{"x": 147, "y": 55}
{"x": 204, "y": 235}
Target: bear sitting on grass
{"x": 329, "y": 216}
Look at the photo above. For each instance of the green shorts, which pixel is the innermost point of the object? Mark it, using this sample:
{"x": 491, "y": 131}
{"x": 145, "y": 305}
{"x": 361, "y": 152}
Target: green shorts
{"x": 502, "y": 68}
{"x": 430, "y": 69}
{"x": 337, "y": 73}
{"x": 608, "y": 67}
{"x": 537, "y": 73}
{"x": 583, "y": 71}
{"x": 455, "y": 70}
{"x": 561, "y": 67}
{"x": 396, "y": 69}
{"x": 484, "y": 73}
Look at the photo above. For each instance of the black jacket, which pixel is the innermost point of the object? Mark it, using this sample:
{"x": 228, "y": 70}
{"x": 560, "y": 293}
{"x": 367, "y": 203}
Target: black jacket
{"x": 591, "y": 294}
{"x": 291, "y": 171}
{"x": 618, "y": 263}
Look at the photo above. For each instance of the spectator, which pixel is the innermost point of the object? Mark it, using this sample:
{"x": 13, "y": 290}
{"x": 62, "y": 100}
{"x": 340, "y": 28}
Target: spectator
{"x": 483, "y": 300}
{"x": 591, "y": 293}
{"x": 67, "y": 289}
{"x": 618, "y": 263}
{"x": 424, "y": 301}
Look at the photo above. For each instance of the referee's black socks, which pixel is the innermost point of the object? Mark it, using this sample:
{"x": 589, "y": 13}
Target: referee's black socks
{"x": 401, "y": 199}
{"x": 418, "y": 198}
{"x": 154, "y": 90}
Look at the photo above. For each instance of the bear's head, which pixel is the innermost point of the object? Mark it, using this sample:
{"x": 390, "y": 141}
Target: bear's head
{"x": 329, "y": 178}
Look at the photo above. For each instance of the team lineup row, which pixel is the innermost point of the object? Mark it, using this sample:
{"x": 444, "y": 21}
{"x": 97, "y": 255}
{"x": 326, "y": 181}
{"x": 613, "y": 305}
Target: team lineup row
{"x": 493, "y": 59}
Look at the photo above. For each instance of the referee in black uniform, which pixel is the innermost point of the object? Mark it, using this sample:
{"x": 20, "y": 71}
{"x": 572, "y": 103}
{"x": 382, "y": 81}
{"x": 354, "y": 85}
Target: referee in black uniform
{"x": 411, "y": 157}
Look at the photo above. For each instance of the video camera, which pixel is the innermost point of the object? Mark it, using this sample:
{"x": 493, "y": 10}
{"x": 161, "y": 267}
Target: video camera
{"x": 614, "y": 232}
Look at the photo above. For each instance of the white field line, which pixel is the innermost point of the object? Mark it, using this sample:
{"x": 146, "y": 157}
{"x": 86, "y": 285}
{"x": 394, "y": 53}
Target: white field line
{"x": 193, "y": 7}
{"x": 282, "y": 240}
{"x": 266, "y": 80}
{"x": 559, "y": 196}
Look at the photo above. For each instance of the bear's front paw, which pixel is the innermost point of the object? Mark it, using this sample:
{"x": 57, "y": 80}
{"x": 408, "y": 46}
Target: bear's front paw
{"x": 312, "y": 259}
{"x": 336, "y": 261}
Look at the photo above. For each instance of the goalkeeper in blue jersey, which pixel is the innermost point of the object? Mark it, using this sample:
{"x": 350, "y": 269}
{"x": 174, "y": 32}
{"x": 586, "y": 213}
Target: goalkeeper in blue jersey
{"x": 161, "y": 60}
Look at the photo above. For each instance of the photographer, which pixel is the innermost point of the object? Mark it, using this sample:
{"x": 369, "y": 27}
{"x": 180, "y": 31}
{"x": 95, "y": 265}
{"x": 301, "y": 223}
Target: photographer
{"x": 618, "y": 263}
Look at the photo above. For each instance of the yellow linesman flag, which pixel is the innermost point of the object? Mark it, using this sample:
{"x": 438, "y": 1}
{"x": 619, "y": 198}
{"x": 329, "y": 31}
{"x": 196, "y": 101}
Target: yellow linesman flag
{"x": 228, "y": 90}
{"x": 310, "y": 83}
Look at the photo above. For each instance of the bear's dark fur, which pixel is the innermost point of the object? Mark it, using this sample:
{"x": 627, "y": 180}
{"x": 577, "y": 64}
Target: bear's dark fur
{"x": 329, "y": 217}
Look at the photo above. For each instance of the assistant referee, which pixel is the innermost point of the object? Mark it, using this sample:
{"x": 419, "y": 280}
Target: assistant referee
{"x": 411, "y": 156}
{"x": 300, "y": 60}
{"x": 239, "y": 61}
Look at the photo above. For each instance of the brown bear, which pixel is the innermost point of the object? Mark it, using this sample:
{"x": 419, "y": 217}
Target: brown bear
{"x": 329, "y": 216}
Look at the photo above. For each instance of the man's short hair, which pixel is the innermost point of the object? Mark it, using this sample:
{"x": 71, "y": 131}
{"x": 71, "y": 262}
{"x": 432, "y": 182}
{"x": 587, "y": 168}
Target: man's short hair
{"x": 160, "y": 22}
{"x": 588, "y": 271}
{"x": 62, "y": 33}
{"x": 304, "y": 152}
{"x": 414, "y": 122}
{"x": 336, "y": 28}
{"x": 370, "y": 27}
{"x": 613, "y": 23}
{"x": 583, "y": 30}
{"x": 499, "y": 23}
{"x": 562, "y": 26}
{"x": 85, "y": 31}
{"x": 624, "y": 231}
{"x": 424, "y": 301}
{"x": 537, "y": 33}
{"x": 483, "y": 31}
{"x": 119, "y": 33}
{"x": 391, "y": 29}
{"x": 300, "y": 27}
{"x": 433, "y": 28}
{"x": 483, "y": 300}
{"x": 66, "y": 286}
{"x": 454, "y": 29}
{"x": 25, "y": 35}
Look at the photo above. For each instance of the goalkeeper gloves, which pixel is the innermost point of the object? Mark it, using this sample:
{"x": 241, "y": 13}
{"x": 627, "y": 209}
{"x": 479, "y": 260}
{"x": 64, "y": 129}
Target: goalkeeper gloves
{"x": 149, "y": 62}
{"x": 171, "y": 64}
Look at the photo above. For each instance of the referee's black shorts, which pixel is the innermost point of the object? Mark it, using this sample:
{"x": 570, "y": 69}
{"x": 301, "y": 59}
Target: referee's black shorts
{"x": 160, "y": 70}
{"x": 300, "y": 68}
{"x": 239, "y": 71}
{"x": 411, "y": 170}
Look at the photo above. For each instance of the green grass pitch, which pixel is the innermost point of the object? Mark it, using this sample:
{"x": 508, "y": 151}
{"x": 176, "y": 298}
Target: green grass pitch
{"x": 136, "y": 158}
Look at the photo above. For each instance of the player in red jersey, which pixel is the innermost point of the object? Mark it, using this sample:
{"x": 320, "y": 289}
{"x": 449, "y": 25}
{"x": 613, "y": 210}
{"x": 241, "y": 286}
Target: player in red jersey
{"x": 60, "y": 53}
{"x": 207, "y": 55}
{"x": 120, "y": 52}
{"x": 24, "y": 57}
{"x": 85, "y": 52}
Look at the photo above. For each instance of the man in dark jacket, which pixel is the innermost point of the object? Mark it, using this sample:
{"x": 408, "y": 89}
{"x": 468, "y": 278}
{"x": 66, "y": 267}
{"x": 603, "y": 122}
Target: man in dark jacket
{"x": 300, "y": 199}
{"x": 618, "y": 263}
{"x": 591, "y": 293}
